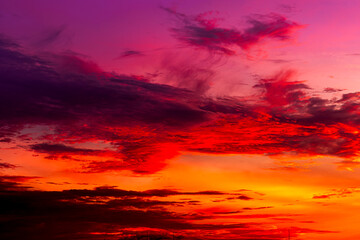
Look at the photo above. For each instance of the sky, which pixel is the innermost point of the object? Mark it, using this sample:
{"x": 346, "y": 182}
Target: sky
{"x": 180, "y": 119}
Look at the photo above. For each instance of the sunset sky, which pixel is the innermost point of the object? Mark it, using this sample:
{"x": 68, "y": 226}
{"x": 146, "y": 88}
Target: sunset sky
{"x": 180, "y": 119}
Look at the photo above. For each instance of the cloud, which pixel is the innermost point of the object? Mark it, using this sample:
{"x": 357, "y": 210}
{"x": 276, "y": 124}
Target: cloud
{"x": 5, "y": 165}
{"x": 188, "y": 75}
{"x": 288, "y": 168}
{"x": 72, "y": 214}
{"x": 256, "y": 208}
{"x": 279, "y": 61}
{"x": 332, "y": 90}
{"x": 67, "y": 93}
{"x": 63, "y": 149}
{"x": 279, "y": 91}
{"x": 147, "y": 124}
{"x": 240, "y": 197}
{"x": 205, "y": 33}
{"x": 111, "y": 191}
{"x": 131, "y": 53}
{"x": 5, "y": 140}
{"x": 70, "y": 63}
{"x": 345, "y": 192}
{"x": 51, "y": 36}
{"x": 14, "y": 183}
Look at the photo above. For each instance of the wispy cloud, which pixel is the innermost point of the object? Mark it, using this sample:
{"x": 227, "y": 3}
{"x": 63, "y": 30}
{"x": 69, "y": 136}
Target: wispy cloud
{"x": 200, "y": 32}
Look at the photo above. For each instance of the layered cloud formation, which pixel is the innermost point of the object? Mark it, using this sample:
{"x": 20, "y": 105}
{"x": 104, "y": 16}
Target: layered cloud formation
{"x": 107, "y": 212}
{"x": 147, "y": 123}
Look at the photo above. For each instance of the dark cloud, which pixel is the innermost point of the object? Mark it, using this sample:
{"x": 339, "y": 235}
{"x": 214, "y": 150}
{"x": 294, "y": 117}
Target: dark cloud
{"x": 6, "y": 165}
{"x": 108, "y": 212}
{"x": 110, "y": 191}
{"x": 13, "y": 183}
{"x": 61, "y": 148}
{"x": 131, "y": 53}
{"x": 256, "y": 208}
{"x": 332, "y": 90}
{"x": 5, "y": 140}
{"x": 240, "y": 197}
{"x": 6, "y": 42}
{"x": 279, "y": 61}
{"x": 70, "y": 94}
{"x": 205, "y": 33}
{"x": 77, "y": 214}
